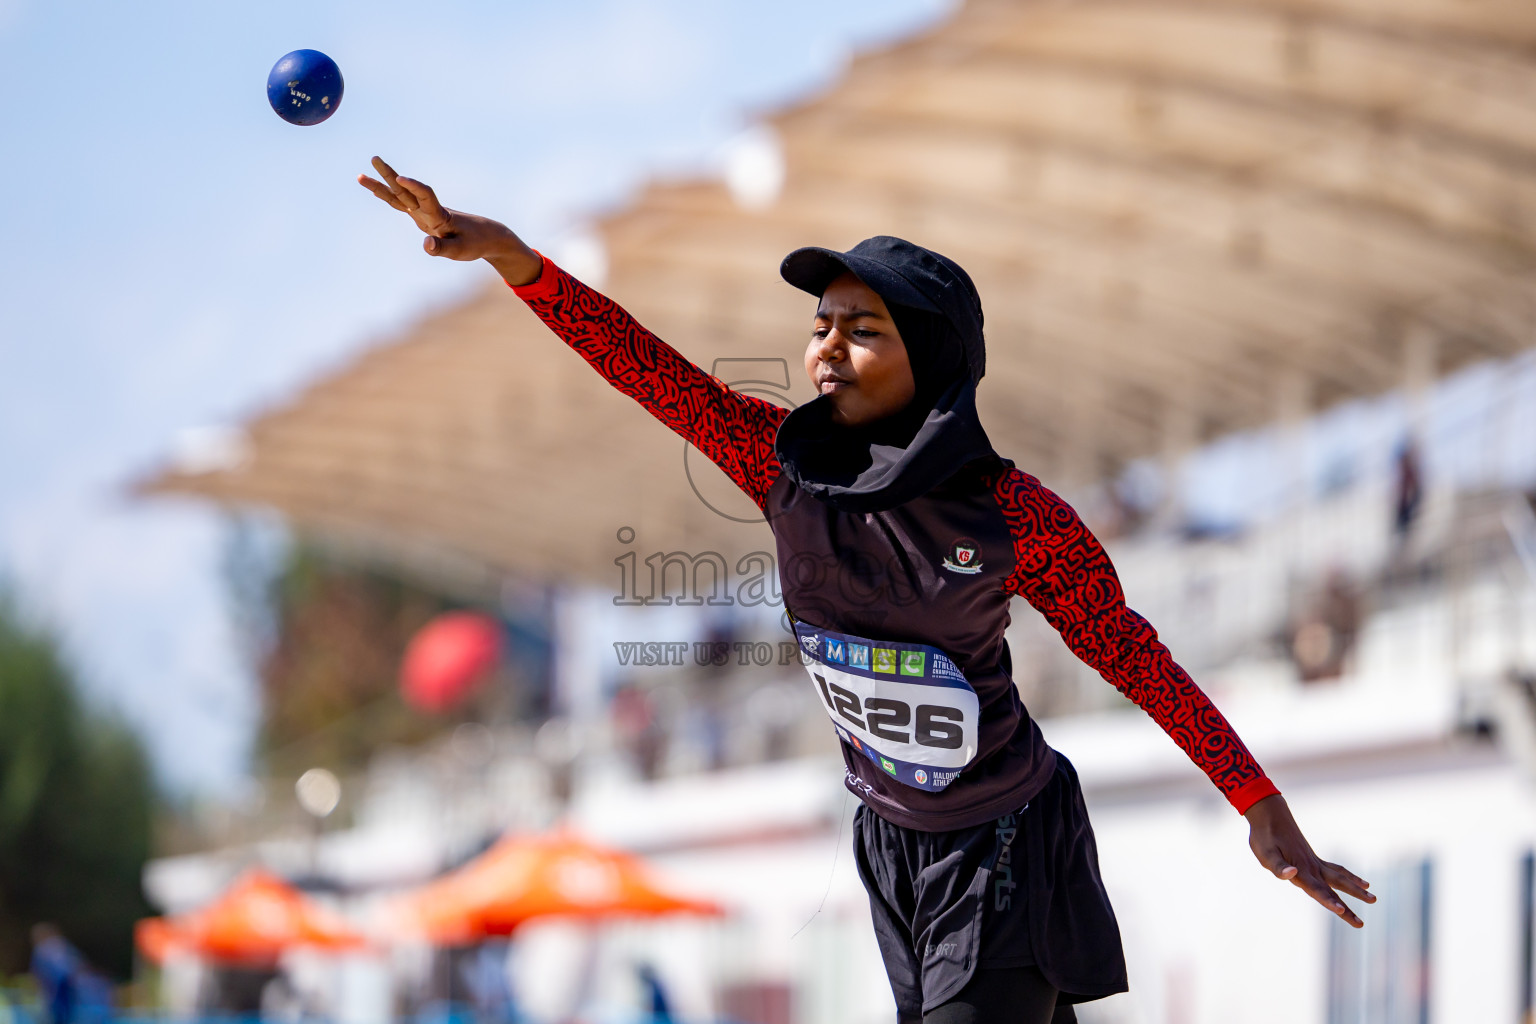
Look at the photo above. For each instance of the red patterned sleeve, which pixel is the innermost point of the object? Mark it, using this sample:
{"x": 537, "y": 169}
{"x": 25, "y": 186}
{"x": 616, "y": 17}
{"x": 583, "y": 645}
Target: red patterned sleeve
{"x": 733, "y": 430}
{"x": 1065, "y": 573}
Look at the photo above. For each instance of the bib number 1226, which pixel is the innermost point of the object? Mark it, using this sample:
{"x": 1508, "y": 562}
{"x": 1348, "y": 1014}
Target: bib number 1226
{"x": 936, "y": 725}
{"x": 905, "y": 706}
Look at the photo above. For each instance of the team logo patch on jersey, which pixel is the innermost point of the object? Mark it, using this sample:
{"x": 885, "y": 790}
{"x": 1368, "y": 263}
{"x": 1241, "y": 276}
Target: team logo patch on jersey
{"x": 921, "y": 777}
{"x": 836, "y": 651}
{"x": 964, "y": 557}
{"x": 913, "y": 662}
{"x": 885, "y": 660}
{"x": 858, "y": 656}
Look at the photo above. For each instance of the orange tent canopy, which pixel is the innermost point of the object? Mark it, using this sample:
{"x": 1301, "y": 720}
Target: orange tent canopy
{"x": 254, "y": 921}
{"x": 527, "y": 877}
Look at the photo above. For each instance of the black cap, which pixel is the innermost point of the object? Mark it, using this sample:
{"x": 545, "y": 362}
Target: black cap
{"x": 904, "y": 273}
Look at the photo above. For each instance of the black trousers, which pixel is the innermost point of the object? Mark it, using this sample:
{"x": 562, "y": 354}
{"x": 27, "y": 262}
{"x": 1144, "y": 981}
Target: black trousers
{"x": 1017, "y": 995}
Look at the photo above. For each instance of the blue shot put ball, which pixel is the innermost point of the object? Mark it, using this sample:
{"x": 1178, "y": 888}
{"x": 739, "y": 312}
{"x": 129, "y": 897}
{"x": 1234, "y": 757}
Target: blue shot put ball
{"x": 304, "y": 87}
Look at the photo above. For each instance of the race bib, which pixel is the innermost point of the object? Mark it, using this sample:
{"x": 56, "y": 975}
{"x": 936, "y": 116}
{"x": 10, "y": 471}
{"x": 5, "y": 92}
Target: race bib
{"x": 905, "y": 706}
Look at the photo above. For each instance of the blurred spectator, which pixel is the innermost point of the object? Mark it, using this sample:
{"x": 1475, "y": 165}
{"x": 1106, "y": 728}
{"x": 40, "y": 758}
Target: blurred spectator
{"x": 774, "y": 709}
{"x": 71, "y": 991}
{"x": 638, "y": 728}
{"x": 237, "y": 991}
{"x": 483, "y": 970}
{"x": 1325, "y": 633}
{"x": 1126, "y": 505}
{"x": 54, "y": 965}
{"x": 657, "y": 1005}
{"x": 713, "y": 665}
{"x": 281, "y": 1003}
{"x": 1409, "y": 488}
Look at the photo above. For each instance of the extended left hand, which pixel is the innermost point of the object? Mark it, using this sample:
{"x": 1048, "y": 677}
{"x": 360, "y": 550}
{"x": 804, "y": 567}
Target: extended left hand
{"x": 1276, "y": 840}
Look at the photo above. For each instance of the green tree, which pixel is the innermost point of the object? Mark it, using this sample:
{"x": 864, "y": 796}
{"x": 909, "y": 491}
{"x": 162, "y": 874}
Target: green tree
{"x": 76, "y": 808}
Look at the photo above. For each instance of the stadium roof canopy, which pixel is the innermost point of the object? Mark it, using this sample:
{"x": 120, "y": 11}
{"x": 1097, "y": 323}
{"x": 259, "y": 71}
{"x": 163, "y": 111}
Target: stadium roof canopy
{"x": 1184, "y": 218}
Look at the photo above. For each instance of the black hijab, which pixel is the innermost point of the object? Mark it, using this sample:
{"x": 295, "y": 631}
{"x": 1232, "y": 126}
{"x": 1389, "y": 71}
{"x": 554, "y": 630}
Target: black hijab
{"x": 880, "y": 465}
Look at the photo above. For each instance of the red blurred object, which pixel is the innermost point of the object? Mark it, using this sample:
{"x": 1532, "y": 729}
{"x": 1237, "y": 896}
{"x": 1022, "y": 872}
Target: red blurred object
{"x": 253, "y": 923}
{"x": 448, "y": 658}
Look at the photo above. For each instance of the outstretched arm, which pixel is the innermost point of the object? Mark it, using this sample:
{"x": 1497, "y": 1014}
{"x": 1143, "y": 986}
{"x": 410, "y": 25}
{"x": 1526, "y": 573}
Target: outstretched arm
{"x": 733, "y": 430}
{"x": 1064, "y": 572}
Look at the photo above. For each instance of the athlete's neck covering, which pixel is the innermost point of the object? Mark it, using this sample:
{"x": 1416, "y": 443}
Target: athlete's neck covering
{"x": 889, "y": 462}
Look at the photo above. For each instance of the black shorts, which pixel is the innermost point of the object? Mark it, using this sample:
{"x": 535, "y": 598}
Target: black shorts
{"x": 1023, "y": 890}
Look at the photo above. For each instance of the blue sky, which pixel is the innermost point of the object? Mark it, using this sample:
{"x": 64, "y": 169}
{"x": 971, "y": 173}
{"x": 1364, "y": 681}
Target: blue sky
{"x": 178, "y": 256}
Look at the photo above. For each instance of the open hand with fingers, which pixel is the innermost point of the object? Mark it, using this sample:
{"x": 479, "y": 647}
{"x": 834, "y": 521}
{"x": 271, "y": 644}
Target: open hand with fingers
{"x": 1276, "y": 840}
{"x": 453, "y": 233}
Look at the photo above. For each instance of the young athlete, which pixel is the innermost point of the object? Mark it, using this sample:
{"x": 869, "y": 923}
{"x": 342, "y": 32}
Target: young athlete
{"x": 902, "y": 536}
